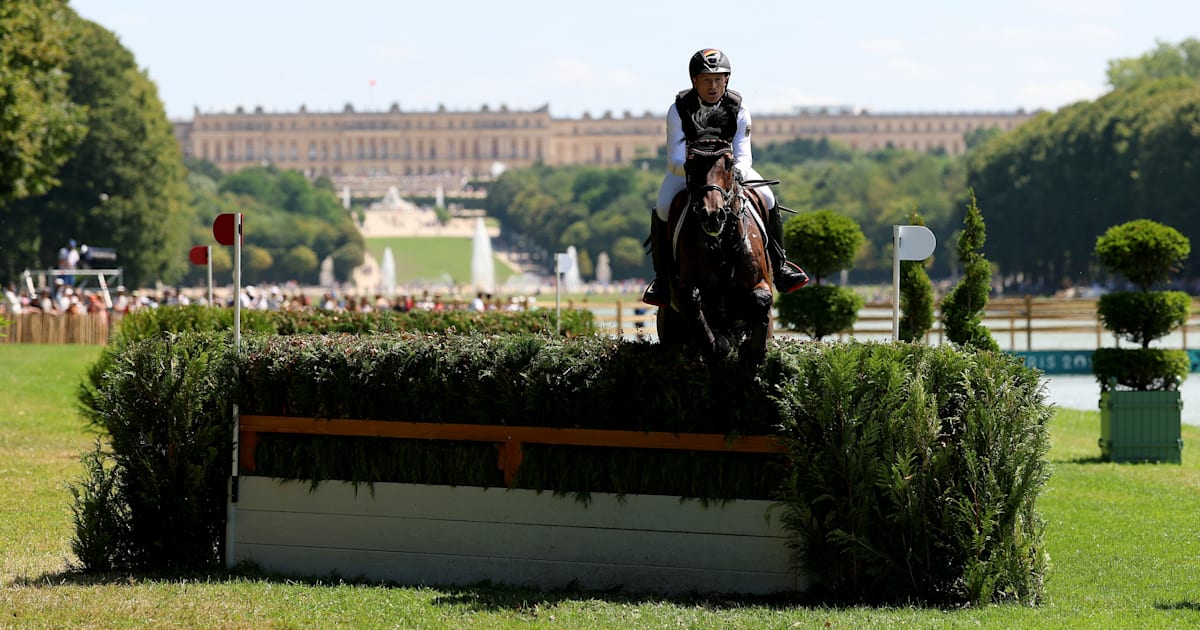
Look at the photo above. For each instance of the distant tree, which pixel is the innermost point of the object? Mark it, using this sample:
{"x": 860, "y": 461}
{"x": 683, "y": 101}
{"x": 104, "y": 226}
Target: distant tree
{"x": 980, "y": 136}
{"x": 916, "y": 295}
{"x": 287, "y": 218}
{"x": 203, "y": 167}
{"x": 39, "y": 123}
{"x": 823, "y": 243}
{"x": 300, "y": 263}
{"x": 1165, "y": 61}
{"x": 125, "y": 186}
{"x": 963, "y": 306}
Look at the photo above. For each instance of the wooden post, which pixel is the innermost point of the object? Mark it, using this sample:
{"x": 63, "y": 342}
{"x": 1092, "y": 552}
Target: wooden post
{"x": 620, "y": 328}
{"x": 1029, "y": 322}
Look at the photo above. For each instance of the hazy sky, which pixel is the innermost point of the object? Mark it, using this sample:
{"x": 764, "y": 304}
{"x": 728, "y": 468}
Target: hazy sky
{"x": 622, "y": 55}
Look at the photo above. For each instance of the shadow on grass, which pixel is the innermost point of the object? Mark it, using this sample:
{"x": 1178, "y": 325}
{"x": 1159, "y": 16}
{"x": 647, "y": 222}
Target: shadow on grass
{"x": 481, "y": 597}
{"x": 486, "y": 597}
{"x": 1195, "y": 606}
{"x": 1079, "y": 460}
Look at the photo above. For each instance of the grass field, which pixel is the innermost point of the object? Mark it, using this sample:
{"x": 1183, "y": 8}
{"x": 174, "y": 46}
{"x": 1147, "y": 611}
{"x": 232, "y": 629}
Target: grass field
{"x": 430, "y": 260}
{"x": 1124, "y": 542}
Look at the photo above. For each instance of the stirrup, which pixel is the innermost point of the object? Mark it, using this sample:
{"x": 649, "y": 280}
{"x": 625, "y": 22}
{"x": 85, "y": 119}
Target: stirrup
{"x": 657, "y": 294}
{"x": 790, "y": 277}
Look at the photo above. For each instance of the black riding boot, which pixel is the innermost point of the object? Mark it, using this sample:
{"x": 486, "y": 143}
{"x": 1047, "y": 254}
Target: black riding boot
{"x": 658, "y": 293}
{"x": 788, "y": 275}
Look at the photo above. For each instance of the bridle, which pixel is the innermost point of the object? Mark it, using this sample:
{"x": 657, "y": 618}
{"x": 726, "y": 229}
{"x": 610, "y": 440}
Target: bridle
{"x": 714, "y": 148}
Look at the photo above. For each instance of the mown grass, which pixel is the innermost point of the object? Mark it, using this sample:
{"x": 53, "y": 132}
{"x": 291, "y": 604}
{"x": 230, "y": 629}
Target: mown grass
{"x": 432, "y": 259}
{"x": 1124, "y": 542}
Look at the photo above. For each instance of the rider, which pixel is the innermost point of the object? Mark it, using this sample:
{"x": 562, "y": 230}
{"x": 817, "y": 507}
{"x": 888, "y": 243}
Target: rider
{"x": 710, "y": 70}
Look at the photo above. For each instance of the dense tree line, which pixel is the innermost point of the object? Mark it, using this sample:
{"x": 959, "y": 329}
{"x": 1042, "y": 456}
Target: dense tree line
{"x": 608, "y": 209}
{"x": 291, "y": 224}
{"x": 595, "y": 209}
{"x": 1058, "y": 181}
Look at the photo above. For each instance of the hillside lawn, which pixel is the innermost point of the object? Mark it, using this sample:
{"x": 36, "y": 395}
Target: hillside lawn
{"x": 1124, "y": 542}
{"x": 430, "y": 259}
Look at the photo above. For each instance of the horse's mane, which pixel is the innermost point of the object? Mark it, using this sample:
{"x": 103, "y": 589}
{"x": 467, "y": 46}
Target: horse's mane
{"x": 709, "y": 123}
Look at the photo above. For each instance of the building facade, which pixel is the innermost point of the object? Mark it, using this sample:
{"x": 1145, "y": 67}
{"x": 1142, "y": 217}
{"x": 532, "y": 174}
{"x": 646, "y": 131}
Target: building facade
{"x": 477, "y": 144}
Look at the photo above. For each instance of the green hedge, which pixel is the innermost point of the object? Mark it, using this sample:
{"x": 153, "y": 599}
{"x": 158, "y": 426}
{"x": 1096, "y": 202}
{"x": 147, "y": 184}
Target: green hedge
{"x": 145, "y": 323}
{"x": 912, "y": 473}
{"x": 1141, "y": 369}
{"x": 157, "y": 322}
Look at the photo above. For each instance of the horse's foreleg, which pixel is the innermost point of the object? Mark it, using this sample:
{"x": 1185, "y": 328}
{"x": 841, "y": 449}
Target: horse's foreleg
{"x": 755, "y": 348}
{"x": 691, "y": 308}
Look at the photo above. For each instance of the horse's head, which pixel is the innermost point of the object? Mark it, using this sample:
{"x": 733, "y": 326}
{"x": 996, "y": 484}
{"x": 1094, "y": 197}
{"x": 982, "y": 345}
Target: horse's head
{"x": 711, "y": 184}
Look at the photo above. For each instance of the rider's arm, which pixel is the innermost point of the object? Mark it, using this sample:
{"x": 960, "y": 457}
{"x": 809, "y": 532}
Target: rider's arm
{"x": 676, "y": 147}
{"x": 742, "y": 158}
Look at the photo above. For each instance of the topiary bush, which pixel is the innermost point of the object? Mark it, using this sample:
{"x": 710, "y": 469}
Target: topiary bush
{"x": 964, "y": 304}
{"x": 1145, "y": 252}
{"x": 917, "y": 303}
{"x": 823, "y": 243}
{"x": 820, "y": 310}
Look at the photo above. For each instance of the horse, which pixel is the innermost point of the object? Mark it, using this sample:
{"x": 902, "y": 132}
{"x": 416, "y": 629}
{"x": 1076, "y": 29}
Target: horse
{"x": 721, "y": 275}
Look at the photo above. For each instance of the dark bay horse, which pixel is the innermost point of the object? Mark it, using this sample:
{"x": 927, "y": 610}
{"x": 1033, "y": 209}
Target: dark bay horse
{"x": 721, "y": 276}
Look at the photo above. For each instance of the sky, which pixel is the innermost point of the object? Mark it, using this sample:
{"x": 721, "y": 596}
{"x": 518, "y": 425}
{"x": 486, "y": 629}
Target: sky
{"x": 631, "y": 55}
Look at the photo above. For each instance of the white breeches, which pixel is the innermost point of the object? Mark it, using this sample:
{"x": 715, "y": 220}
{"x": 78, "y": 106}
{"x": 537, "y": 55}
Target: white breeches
{"x": 672, "y": 184}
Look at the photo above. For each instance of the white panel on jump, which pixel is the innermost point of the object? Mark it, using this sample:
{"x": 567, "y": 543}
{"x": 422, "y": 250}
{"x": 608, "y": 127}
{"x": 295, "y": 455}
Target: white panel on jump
{"x": 502, "y": 505}
{"x": 418, "y": 534}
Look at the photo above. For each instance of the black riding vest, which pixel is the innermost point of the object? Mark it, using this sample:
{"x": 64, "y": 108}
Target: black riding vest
{"x": 687, "y": 103}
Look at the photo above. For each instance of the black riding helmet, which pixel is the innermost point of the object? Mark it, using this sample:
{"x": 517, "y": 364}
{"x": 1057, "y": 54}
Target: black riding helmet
{"x": 709, "y": 61}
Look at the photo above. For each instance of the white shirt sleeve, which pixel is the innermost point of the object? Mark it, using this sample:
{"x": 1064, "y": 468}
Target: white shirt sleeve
{"x": 743, "y": 159}
{"x": 676, "y": 144}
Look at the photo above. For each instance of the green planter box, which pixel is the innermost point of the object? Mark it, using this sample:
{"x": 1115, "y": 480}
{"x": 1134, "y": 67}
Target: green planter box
{"x": 1140, "y": 426}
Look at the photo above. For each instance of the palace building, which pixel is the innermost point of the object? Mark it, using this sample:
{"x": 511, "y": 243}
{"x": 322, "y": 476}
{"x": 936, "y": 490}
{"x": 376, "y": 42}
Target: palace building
{"x": 475, "y": 144}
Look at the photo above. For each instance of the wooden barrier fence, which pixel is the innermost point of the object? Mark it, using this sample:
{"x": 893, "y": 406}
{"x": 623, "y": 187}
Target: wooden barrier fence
{"x": 1012, "y": 320}
{"x": 91, "y": 329}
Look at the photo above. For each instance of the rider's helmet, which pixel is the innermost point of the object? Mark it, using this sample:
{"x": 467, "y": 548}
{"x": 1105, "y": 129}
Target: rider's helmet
{"x": 709, "y": 61}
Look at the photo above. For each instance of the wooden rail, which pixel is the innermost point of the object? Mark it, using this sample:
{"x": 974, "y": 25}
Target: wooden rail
{"x": 508, "y": 438}
{"x": 1018, "y": 319}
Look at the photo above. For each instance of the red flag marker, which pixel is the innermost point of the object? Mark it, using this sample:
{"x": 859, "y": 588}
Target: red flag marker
{"x": 199, "y": 255}
{"x": 224, "y": 228}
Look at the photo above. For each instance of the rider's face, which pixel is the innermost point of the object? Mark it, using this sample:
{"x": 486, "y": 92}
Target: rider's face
{"x": 710, "y": 85}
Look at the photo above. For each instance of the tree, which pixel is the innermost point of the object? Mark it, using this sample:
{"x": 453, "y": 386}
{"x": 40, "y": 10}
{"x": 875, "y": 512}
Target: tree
{"x": 125, "y": 186}
{"x": 916, "y": 295}
{"x": 963, "y": 306}
{"x": 823, "y": 243}
{"x": 1165, "y": 61}
{"x": 39, "y": 124}
{"x": 300, "y": 263}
